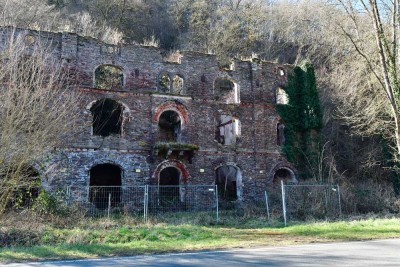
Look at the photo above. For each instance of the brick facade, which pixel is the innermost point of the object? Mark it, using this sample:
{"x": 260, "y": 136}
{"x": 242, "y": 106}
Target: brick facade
{"x": 252, "y": 102}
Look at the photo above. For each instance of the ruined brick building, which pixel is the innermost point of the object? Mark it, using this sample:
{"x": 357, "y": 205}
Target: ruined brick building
{"x": 150, "y": 121}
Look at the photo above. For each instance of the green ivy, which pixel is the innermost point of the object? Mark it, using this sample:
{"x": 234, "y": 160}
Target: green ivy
{"x": 393, "y": 166}
{"x": 302, "y": 118}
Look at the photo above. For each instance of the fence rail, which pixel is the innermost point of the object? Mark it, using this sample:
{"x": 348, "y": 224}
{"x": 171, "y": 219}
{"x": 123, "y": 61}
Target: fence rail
{"x": 300, "y": 202}
{"x": 148, "y": 200}
{"x": 292, "y": 202}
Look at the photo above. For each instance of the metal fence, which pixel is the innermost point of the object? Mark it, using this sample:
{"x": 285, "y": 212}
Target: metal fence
{"x": 289, "y": 202}
{"x": 147, "y": 201}
{"x": 316, "y": 201}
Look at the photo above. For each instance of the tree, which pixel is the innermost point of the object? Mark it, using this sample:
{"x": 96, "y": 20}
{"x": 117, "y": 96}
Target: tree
{"x": 37, "y": 107}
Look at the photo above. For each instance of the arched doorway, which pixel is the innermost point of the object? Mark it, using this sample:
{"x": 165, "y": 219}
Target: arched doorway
{"x": 169, "y": 189}
{"x": 105, "y": 185}
{"x": 284, "y": 174}
{"x": 170, "y": 126}
{"x": 228, "y": 180}
{"x": 29, "y": 185}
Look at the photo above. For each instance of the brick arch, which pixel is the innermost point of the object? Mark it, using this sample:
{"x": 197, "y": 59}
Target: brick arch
{"x": 174, "y": 106}
{"x": 282, "y": 166}
{"x": 126, "y": 112}
{"x": 239, "y": 177}
{"x": 126, "y": 109}
{"x": 172, "y": 163}
{"x": 235, "y": 98}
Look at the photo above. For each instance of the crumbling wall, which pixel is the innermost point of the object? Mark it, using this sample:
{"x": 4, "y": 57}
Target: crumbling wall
{"x": 200, "y": 106}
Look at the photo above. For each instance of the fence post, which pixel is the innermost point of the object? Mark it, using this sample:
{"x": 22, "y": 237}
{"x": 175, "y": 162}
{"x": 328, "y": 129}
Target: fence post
{"x": 145, "y": 202}
{"x": 109, "y": 205}
{"x": 68, "y": 195}
{"x": 326, "y": 202}
{"x": 216, "y": 198}
{"x": 283, "y": 202}
{"x": 266, "y": 203}
{"x": 340, "y": 203}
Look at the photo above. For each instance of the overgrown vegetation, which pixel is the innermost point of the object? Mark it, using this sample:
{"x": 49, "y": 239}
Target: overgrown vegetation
{"x": 37, "y": 110}
{"x": 92, "y": 238}
{"x": 302, "y": 118}
{"x": 358, "y": 115}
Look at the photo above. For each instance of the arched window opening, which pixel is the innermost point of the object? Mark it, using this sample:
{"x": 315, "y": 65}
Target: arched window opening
{"x": 224, "y": 85}
{"x": 170, "y": 126}
{"x": 228, "y": 182}
{"x": 107, "y": 117}
{"x": 29, "y": 70}
{"x": 177, "y": 85}
{"x": 280, "y": 134}
{"x": 281, "y": 97}
{"x": 281, "y": 71}
{"x": 29, "y": 39}
{"x": 228, "y": 129}
{"x": 164, "y": 83}
{"x": 169, "y": 192}
{"x": 29, "y": 186}
{"x": 109, "y": 77}
{"x": 105, "y": 185}
{"x": 226, "y": 90}
{"x": 284, "y": 174}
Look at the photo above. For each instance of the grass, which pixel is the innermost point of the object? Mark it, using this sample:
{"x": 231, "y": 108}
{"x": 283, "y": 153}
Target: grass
{"x": 96, "y": 238}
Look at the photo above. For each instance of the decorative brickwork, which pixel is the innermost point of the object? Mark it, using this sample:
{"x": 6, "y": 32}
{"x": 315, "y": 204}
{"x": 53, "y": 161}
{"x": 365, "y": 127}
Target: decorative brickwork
{"x": 198, "y": 102}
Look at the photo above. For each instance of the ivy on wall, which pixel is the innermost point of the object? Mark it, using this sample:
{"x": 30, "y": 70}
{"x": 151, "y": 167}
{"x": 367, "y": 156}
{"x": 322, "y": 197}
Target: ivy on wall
{"x": 393, "y": 166}
{"x": 302, "y": 118}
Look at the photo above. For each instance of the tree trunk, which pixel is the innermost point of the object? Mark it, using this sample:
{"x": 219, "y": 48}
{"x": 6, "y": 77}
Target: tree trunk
{"x": 397, "y": 132}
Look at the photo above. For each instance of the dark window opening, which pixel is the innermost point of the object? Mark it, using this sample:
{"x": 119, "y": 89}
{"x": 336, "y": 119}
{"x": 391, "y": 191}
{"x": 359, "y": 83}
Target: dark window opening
{"x": 280, "y": 134}
{"x": 105, "y": 185}
{"x": 226, "y": 181}
{"x": 169, "y": 186}
{"x": 107, "y": 117}
{"x": 29, "y": 186}
{"x": 226, "y": 90}
{"x": 282, "y": 175}
{"x": 170, "y": 126}
{"x": 109, "y": 77}
{"x": 224, "y": 84}
{"x": 164, "y": 83}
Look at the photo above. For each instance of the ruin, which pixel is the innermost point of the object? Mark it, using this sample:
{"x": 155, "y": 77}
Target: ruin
{"x": 133, "y": 100}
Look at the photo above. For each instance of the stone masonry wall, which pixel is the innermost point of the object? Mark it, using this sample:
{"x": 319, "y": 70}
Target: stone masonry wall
{"x": 255, "y": 153}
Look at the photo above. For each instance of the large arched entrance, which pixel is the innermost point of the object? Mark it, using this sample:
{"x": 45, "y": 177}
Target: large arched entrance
{"x": 169, "y": 181}
{"x": 29, "y": 186}
{"x": 228, "y": 180}
{"x": 105, "y": 185}
{"x": 284, "y": 174}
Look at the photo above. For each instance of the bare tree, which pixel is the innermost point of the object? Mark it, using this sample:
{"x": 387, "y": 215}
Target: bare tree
{"x": 37, "y": 109}
{"x": 377, "y": 47}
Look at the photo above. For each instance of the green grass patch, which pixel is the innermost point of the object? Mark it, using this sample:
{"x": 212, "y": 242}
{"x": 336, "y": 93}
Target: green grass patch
{"x": 96, "y": 238}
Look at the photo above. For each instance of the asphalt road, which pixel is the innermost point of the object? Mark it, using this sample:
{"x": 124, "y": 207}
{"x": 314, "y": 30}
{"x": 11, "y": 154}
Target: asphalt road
{"x": 367, "y": 253}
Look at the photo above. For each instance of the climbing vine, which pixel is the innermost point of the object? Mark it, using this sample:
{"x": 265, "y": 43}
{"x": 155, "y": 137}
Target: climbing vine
{"x": 302, "y": 118}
